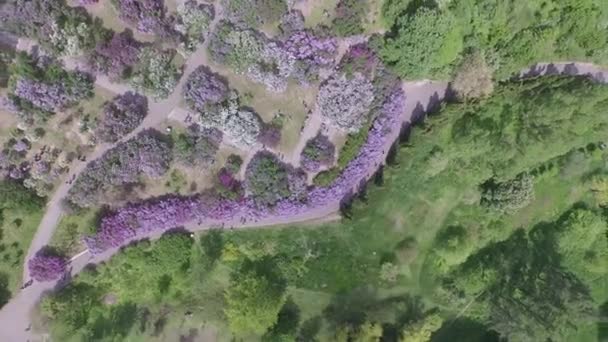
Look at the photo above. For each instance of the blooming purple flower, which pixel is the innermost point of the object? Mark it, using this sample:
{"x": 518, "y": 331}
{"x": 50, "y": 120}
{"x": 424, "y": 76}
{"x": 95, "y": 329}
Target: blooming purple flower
{"x": 117, "y": 56}
{"x": 305, "y": 46}
{"x": 121, "y": 116}
{"x": 205, "y": 88}
{"x": 46, "y": 266}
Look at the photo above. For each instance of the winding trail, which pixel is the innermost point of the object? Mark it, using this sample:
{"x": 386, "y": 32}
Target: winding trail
{"x": 420, "y": 96}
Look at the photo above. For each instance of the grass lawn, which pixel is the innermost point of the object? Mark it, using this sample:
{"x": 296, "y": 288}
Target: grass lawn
{"x": 17, "y": 229}
{"x": 314, "y": 12}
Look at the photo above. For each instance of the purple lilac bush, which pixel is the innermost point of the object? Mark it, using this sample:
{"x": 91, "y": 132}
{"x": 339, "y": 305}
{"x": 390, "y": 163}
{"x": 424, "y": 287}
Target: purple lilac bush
{"x": 144, "y": 155}
{"x": 305, "y": 46}
{"x": 204, "y": 88}
{"x": 46, "y": 266}
{"x": 147, "y": 16}
{"x": 117, "y": 56}
{"x": 137, "y": 220}
{"x": 121, "y": 116}
{"x": 318, "y": 151}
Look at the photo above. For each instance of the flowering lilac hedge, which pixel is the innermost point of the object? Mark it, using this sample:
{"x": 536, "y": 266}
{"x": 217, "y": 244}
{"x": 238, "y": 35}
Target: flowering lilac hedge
{"x": 46, "y": 266}
{"x": 137, "y": 220}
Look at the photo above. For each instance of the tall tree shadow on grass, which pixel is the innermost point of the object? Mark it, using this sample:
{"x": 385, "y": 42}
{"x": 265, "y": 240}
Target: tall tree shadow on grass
{"x": 602, "y": 324}
{"x": 464, "y": 329}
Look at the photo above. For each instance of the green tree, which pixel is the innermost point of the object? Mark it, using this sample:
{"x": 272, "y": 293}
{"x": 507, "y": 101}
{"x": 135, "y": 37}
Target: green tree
{"x": 421, "y": 331}
{"x": 424, "y": 45}
{"x": 518, "y": 288}
{"x": 453, "y": 244}
{"x": 583, "y": 244}
{"x": 254, "y": 297}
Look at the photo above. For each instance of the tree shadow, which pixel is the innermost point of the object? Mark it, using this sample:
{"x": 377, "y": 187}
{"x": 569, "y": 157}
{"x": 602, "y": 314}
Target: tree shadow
{"x": 310, "y": 329}
{"x": 117, "y": 324}
{"x": 464, "y": 329}
{"x": 5, "y": 293}
{"x": 287, "y": 322}
{"x": 602, "y": 324}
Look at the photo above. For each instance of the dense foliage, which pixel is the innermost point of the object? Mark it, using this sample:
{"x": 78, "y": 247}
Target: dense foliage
{"x": 155, "y": 73}
{"x": 254, "y": 13}
{"x": 319, "y": 151}
{"x": 20, "y": 213}
{"x": 40, "y": 86}
{"x": 204, "y": 89}
{"x": 196, "y": 148}
{"x": 345, "y": 102}
{"x": 148, "y": 16}
{"x": 62, "y": 29}
{"x": 267, "y": 178}
{"x": 121, "y": 116}
{"x": 193, "y": 20}
{"x": 254, "y": 298}
{"x": 146, "y": 154}
{"x": 46, "y": 266}
{"x": 241, "y": 125}
{"x": 428, "y": 41}
{"x": 349, "y": 17}
{"x": 117, "y": 56}
{"x": 510, "y": 195}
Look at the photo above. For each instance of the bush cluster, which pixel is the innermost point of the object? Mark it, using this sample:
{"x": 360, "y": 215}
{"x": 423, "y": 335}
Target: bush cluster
{"x": 146, "y": 154}
{"x": 121, "y": 116}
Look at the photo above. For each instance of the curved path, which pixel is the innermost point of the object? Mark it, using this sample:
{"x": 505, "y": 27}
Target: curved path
{"x": 14, "y": 316}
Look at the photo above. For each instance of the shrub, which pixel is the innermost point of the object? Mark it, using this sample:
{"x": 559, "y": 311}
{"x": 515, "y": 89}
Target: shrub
{"x": 155, "y": 73}
{"x": 272, "y": 68}
{"x": 307, "y": 47}
{"x": 117, "y": 56}
{"x": 240, "y": 125}
{"x": 350, "y": 17}
{"x": 238, "y": 48}
{"x": 473, "y": 78}
{"x": 326, "y": 177}
{"x": 234, "y": 163}
{"x": 267, "y": 178}
{"x": 254, "y": 298}
{"x": 121, "y": 116}
{"x": 148, "y": 16}
{"x": 425, "y": 44}
{"x": 318, "y": 151}
{"x": 193, "y": 20}
{"x": 62, "y": 29}
{"x": 205, "y": 89}
{"x": 254, "y": 13}
{"x": 46, "y": 266}
{"x": 508, "y": 196}
{"x": 344, "y": 102}
{"x": 270, "y": 135}
{"x": 197, "y": 148}
{"x": 38, "y": 87}
{"x": 144, "y": 154}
